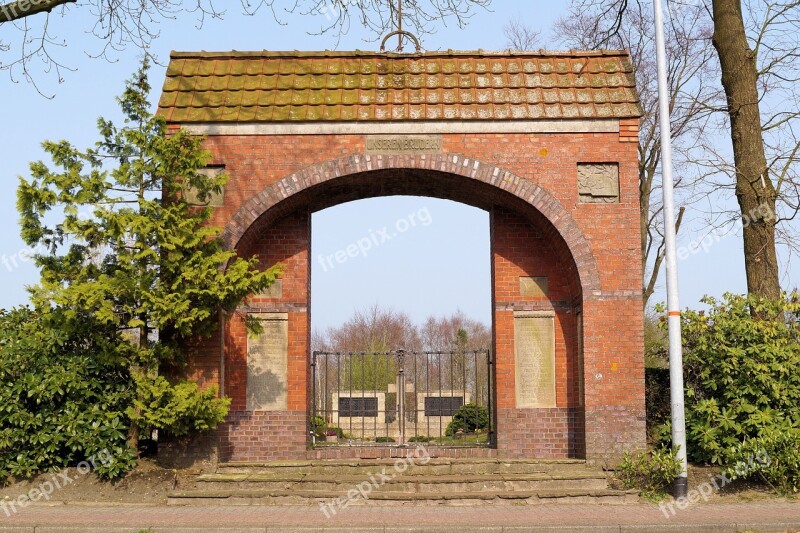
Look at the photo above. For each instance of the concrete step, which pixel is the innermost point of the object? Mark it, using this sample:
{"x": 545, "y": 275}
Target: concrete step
{"x": 335, "y": 500}
{"x": 445, "y": 483}
{"x": 434, "y": 466}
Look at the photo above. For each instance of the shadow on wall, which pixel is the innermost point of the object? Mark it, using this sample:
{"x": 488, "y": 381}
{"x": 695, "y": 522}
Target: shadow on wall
{"x": 264, "y": 388}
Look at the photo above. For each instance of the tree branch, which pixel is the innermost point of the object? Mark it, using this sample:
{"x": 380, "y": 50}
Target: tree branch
{"x": 26, "y": 8}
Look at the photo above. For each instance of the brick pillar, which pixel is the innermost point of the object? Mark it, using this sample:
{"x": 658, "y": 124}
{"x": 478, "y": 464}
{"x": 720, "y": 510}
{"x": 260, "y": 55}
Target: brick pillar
{"x": 614, "y": 376}
{"x": 521, "y": 250}
{"x": 277, "y": 434}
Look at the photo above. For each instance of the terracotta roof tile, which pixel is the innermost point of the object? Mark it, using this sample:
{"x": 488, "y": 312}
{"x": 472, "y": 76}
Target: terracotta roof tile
{"x": 359, "y": 86}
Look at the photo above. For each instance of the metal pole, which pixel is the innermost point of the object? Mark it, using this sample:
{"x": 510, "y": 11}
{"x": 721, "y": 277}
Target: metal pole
{"x": 401, "y": 395}
{"x": 673, "y": 306}
{"x": 400, "y": 25}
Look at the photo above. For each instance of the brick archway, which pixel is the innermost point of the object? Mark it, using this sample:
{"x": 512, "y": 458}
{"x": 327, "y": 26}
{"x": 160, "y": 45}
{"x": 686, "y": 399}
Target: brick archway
{"x": 246, "y": 219}
{"x": 545, "y": 142}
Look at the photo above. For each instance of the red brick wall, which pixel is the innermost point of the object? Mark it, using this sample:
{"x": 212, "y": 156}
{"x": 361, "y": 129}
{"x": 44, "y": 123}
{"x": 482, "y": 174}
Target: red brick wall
{"x": 277, "y": 434}
{"x": 520, "y": 249}
{"x": 589, "y": 252}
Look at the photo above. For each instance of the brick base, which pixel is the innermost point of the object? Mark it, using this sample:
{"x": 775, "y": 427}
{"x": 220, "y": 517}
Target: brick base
{"x": 556, "y": 433}
{"x": 263, "y": 436}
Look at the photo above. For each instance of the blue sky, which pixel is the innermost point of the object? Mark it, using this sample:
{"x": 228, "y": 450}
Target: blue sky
{"x": 452, "y": 250}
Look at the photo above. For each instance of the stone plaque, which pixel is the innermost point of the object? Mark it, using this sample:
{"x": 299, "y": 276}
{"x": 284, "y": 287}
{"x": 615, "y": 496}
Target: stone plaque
{"x": 350, "y": 407}
{"x": 598, "y": 183}
{"x": 535, "y": 287}
{"x": 443, "y": 405}
{"x": 404, "y": 144}
{"x": 267, "y": 364}
{"x": 273, "y": 291}
{"x": 535, "y": 359}
{"x": 213, "y": 200}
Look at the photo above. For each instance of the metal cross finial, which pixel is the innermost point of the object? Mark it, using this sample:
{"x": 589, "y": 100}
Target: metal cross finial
{"x": 399, "y": 25}
{"x": 400, "y": 32}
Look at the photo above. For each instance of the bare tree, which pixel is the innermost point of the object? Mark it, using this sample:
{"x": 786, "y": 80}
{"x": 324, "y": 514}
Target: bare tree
{"x": 520, "y": 37}
{"x": 757, "y": 43}
{"x": 455, "y": 332}
{"x": 692, "y": 99}
{"x": 372, "y": 331}
{"x": 755, "y": 71}
{"x": 29, "y": 39}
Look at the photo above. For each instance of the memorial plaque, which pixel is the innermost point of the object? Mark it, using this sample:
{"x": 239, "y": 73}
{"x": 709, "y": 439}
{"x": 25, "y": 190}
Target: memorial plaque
{"x": 267, "y": 364}
{"x": 404, "y": 144}
{"x": 598, "y": 183}
{"x": 275, "y": 290}
{"x": 535, "y": 361}
{"x": 536, "y": 287}
{"x": 350, "y": 407}
{"x": 443, "y": 405}
{"x": 212, "y": 200}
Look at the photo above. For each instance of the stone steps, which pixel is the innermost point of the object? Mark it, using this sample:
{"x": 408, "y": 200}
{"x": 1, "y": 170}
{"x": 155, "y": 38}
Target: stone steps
{"x": 433, "y": 466}
{"x": 387, "y": 482}
{"x": 405, "y": 483}
{"x": 331, "y": 498}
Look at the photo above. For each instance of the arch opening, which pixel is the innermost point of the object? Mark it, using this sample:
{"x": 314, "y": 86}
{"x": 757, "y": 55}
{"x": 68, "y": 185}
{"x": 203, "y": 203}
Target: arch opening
{"x": 536, "y": 375}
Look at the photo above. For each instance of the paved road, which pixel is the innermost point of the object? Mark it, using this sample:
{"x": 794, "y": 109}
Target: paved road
{"x": 762, "y": 517}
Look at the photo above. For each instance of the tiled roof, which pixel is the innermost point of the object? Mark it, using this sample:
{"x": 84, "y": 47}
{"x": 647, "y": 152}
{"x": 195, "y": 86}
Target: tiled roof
{"x": 359, "y": 86}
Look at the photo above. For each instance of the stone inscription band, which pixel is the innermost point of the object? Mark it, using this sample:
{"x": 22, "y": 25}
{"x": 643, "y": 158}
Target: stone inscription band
{"x": 403, "y": 144}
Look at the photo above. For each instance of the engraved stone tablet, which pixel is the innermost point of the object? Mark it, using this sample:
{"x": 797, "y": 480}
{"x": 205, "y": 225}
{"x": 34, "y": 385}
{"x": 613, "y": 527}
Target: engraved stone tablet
{"x": 267, "y": 364}
{"x": 214, "y": 199}
{"x": 273, "y": 291}
{"x": 598, "y": 183}
{"x": 404, "y": 144}
{"x": 535, "y": 361}
{"x": 535, "y": 287}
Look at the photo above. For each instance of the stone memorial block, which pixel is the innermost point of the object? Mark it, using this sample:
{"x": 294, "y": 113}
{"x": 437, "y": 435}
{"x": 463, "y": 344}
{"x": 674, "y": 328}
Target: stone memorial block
{"x": 214, "y": 199}
{"x": 598, "y": 183}
{"x": 361, "y": 414}
{"x": 275, "y": 290}
{"x": 535, "y": 287}
{"x": 267, "y": 364}
{"x": 535, "y": 359}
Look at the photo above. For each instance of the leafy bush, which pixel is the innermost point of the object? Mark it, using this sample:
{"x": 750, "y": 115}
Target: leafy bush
{"x": 63, "y": 390}
{"x": 741, "y": 360}
{"x": 774, "y": 455}
{"x": 470, "y": 418}
{"x": 384, "y": 439}
{"x": 649, "y": 472}
{"x": 178, "y": 408}
{"x": 317, "y": 426}
{"x": 657, "y": 401}
{"x": 332, "y": 431}
{"x": 420, "y": 438}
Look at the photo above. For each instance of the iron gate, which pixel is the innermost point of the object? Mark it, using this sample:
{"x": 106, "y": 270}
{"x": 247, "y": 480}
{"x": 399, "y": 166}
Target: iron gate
{"x": 399, "y": 397}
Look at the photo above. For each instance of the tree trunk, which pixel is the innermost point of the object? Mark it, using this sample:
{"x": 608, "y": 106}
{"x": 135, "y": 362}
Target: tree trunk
{"x": 138, "y": 371}
{"x": 133, "y": 429}
{"x": 754, "y": 188}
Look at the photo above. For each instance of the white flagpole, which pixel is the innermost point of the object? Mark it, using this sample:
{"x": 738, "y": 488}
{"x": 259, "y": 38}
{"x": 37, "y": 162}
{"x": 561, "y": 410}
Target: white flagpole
{"x": 673, "y": 306}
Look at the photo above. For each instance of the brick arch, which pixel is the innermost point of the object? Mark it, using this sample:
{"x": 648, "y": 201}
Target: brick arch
{"x": 519, "y": 189}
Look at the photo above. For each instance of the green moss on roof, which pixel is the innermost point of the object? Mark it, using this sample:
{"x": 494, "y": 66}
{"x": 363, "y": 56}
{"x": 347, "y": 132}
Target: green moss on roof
{"x": 364, "y": 86}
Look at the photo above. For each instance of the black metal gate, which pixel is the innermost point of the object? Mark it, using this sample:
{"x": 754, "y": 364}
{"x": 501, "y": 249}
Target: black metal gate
{"x": 396, "y": 398}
